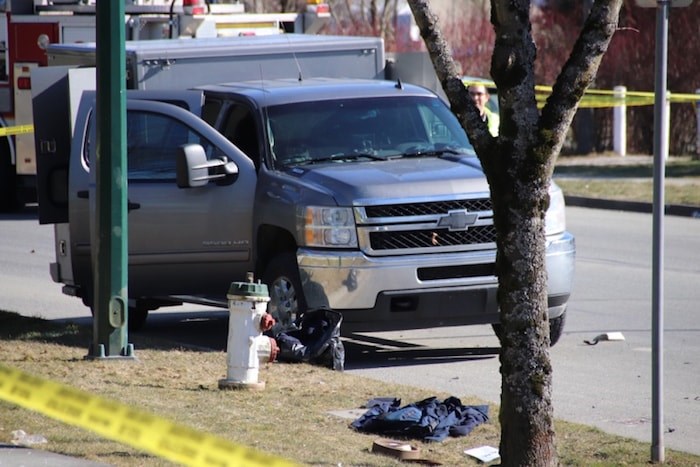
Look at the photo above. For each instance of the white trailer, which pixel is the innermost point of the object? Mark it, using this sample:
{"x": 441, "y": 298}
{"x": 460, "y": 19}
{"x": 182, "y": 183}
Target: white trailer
{"x": 29, "y": 27}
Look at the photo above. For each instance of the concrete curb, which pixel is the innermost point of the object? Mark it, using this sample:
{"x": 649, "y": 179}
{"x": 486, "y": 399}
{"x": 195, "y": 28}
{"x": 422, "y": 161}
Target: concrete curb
{"x": 633, "y": 206}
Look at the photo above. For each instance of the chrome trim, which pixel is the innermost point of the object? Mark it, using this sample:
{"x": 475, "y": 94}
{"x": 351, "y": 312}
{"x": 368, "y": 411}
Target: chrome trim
{"x": 432, "y": 199}
{"x": 560, "y": 263}
{"x": 364, "y": 242}
{"x": 352, "y": 280}
{"x": 422, "y": 226}
{"x": 449, "y": 218}
{"x": 361, "y": 217}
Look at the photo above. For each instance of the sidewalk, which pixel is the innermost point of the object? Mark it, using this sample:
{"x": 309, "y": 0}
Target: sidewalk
{"x": 632, "y": 206}
{"x": 605, "y": 160}
{"x": 20, "y": 456}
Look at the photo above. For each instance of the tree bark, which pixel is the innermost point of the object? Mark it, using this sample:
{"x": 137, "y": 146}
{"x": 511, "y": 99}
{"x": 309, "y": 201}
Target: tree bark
{"x": 518, "y": 165}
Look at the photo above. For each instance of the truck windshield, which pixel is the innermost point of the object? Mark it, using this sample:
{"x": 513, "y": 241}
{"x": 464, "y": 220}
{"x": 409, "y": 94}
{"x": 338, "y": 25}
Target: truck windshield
{"x": 362, "y": 129}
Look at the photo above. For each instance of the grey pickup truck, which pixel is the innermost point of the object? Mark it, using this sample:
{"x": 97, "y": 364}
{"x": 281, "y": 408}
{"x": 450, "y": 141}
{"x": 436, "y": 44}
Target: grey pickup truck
{"x": 364, "y": 196}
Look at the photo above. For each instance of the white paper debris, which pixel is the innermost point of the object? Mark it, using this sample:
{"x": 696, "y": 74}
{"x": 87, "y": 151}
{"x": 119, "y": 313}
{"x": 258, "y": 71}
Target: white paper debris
{"x": 608, "y": 336}
{"x": 484, "y": 453}
{"x": 21, "y": 438}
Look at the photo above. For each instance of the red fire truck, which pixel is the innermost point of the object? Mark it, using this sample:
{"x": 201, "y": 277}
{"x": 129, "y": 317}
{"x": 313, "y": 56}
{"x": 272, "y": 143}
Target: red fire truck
{"x": 27, "y": 27}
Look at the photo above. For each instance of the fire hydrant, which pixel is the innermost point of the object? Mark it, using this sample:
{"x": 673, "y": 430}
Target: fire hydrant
{"x": 247, "y": 347}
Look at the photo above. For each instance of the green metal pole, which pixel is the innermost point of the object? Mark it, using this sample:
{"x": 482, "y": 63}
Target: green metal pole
{"x": 110, "y": 253}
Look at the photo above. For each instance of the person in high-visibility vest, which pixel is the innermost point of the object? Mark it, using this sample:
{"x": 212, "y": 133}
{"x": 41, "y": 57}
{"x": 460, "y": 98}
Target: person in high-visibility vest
{"x": 480, "y": 96}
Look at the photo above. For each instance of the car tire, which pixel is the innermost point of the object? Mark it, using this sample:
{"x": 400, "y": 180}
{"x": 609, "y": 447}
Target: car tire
{"x": 556, "y": 329}
{"x": 287, "y": 300}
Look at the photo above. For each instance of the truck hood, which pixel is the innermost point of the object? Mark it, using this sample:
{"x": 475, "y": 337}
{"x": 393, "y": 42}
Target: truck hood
{"x": 416, "y": 178}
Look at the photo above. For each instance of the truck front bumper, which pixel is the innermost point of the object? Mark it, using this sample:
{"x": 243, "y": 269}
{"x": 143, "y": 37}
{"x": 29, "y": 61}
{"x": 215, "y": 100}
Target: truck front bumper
{"x": 431, "y": 289}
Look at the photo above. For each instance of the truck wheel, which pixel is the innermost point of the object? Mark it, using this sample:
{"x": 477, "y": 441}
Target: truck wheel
{"x": 137, "y": 318}
{"x": 556, "y": 329}
{"x": 286, "y": 295}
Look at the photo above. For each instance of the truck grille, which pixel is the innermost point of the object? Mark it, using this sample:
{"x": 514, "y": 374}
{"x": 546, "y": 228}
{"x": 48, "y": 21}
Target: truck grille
{"x": 428, "y": 227}
{"x": 421, "y": 209}
{"x": 430, "y": 239}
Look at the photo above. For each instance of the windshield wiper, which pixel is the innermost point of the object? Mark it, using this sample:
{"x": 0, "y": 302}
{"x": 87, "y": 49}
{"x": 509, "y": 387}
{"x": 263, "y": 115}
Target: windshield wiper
{"x": 342, "y": 157}
{"x": 433, "y": 153}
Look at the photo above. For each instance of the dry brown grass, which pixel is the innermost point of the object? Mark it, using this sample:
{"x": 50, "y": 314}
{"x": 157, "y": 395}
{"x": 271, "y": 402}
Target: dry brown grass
{"x": 290, "y": 418}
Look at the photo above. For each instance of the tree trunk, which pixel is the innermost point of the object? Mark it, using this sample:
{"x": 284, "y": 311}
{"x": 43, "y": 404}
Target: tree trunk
{"x": 526, "y": 415}
{"x": 518, "y": 165}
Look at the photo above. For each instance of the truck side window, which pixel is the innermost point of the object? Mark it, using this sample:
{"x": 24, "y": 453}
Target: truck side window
{"x": 152, "y": 145}
{"x": 239, "y": 128}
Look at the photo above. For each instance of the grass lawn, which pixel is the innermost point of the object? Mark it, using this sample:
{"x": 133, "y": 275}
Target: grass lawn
{"x": 290, "y": 418}
{"x": 620, "y": 180}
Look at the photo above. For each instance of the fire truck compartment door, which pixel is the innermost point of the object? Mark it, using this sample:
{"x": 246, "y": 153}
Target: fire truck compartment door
{"x": 56, "y": 93}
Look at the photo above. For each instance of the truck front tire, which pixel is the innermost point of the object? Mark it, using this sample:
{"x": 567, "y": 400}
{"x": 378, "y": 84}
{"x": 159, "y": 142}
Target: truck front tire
{"x": 556, "y": 329}
{"x": 137, "y": 318}
{"x": 286, "y": 294}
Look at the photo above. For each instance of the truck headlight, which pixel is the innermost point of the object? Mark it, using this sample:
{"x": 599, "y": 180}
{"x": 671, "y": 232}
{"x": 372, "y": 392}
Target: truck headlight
{"x": 555, "y": 217}
{"x": 330, "y": 227}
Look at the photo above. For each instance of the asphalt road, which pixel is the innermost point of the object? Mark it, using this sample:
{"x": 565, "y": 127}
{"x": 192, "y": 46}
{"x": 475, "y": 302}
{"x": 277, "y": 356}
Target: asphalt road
{"x": 607, "y": 385}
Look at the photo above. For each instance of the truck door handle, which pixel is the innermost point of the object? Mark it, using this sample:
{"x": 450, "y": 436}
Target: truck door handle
{"x": 130, "y": 206}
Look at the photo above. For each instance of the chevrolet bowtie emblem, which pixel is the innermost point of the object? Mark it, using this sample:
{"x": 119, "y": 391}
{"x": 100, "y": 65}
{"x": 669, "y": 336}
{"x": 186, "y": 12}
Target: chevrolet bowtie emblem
{"x": 458, "y": 220}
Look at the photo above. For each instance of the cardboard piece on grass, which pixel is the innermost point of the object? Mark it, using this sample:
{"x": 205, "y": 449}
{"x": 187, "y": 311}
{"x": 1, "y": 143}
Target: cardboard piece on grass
{"x": 401, "y": 450}
{"x": 395, "y": 448}
{"x": 608, "y": 336}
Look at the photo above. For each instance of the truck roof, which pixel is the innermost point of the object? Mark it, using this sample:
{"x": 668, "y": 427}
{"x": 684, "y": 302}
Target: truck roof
{"x": 284, "y": 91}
{"x": 226, "y": 46}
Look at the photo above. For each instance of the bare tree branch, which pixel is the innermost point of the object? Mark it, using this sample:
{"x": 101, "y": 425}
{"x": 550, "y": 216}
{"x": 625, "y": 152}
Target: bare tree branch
{"x": 518, "y": 165}
{"x": 576, "y": 75}
{"x": 450, "y": 78}
{"x": 512, "y": 69}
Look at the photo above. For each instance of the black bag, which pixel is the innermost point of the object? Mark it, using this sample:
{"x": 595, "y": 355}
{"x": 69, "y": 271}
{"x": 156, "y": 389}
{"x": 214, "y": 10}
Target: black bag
{"x": 315, "y": 339}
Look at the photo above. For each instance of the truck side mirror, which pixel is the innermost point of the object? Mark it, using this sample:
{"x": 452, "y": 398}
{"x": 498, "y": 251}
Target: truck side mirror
{"x": 193, "y": 169}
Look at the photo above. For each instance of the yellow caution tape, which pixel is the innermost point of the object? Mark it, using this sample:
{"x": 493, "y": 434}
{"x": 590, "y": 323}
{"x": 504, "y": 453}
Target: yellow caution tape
{"x": 125, "y": 424}
{"x": 16, "y": 130}
{"x": 603, "y": 98}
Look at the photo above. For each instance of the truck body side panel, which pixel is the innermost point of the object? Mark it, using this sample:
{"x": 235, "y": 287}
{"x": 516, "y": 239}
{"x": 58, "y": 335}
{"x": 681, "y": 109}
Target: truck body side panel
{"x": 205, "y": 232}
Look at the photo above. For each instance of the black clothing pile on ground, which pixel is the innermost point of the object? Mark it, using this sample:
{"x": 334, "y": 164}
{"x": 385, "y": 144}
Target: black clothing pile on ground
{"x": 429, "y": 419}
{"x": 313, "y": 338}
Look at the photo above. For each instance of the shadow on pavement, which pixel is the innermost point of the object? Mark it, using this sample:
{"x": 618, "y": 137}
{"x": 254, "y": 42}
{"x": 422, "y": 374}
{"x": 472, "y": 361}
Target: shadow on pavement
{"x": 208, "y": 331}
{"x": 372, "y": 352}
{"x": 29, "y": 212}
